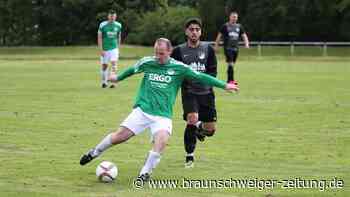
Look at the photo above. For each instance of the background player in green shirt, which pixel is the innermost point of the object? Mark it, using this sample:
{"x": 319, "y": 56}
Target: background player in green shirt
{"x": 109, "y": 39}
{"x": 162, "y": 79}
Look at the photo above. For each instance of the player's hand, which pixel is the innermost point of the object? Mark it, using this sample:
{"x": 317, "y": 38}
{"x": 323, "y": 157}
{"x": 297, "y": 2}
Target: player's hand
{"x": 103, "y": 53}
{"x": 231, "y": 87}
{"x": 247, "y": 46}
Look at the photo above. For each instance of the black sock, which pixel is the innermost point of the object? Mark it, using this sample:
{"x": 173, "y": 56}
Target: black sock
{"x": 230, "y": 73}
{"x": 190, "y": 139}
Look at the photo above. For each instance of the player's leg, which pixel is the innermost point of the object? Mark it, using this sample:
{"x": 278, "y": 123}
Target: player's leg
{"x": 229, "y": 54}
{"x": 190, "y": 138}
{"x": 104, "y": 69}
{"x": 134, "y": 124}
{"x": 234, "y": 58}
{"x": 230, "y": 72}
{"x": 114, "y": 60}
{"x": 190, "y": 109}
{"x": 206, "y": 126}
{"x": 154, "y": 155}
{"x": 161, "y": 131}
{"x": 104, "y": 75}
{"x": 114, "y": 138}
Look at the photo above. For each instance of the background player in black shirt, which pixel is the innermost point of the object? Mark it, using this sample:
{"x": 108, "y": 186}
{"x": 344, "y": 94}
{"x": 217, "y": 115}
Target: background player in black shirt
{"x": 231, "y": 33}
{"x": 198, "y": 100}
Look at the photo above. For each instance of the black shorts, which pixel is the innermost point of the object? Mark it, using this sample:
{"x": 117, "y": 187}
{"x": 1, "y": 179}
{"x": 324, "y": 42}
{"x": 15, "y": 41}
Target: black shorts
{"x": 204, "y": 105}
{"x": 231, "y": 54}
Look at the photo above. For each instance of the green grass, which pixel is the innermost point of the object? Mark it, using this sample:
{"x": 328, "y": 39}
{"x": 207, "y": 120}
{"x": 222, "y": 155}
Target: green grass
{"x": 67, "y": 53}
{"x": 290, "y": 120}
{"x": 135, "y": 52}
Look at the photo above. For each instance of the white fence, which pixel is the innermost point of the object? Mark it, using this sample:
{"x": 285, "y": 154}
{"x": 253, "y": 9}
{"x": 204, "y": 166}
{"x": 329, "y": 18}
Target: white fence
{"x": 259, "y": 45}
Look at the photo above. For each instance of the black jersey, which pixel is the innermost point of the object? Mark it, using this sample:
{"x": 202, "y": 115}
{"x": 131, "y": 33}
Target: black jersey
{"x": 201, "y": 59}
{"x": 231, "y": 35}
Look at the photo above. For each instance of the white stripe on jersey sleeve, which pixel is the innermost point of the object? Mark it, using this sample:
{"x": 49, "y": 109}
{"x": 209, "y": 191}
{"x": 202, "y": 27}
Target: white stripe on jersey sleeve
{"x": 102, "y": 25}
{"x": 118, "y": 24}
{"x": 174, "y": 61}
{"x": 143, "y": 61}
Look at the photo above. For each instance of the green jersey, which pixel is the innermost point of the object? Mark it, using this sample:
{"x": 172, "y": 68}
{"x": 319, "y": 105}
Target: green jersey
{"x": 161, "y": 83}
{"x": 110, "y": 34}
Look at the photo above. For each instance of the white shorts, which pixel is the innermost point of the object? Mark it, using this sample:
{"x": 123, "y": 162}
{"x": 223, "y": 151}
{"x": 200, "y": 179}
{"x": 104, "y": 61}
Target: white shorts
{"x": 138, "y": 121}
{"x": 110, "y": 56}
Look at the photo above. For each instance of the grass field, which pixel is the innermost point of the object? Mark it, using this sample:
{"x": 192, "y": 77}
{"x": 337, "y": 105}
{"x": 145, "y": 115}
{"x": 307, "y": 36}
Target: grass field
{"x": 291, "y": 120}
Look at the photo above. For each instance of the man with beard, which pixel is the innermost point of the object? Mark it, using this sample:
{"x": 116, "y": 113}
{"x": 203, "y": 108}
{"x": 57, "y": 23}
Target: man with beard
{"x": 198, "y": 99}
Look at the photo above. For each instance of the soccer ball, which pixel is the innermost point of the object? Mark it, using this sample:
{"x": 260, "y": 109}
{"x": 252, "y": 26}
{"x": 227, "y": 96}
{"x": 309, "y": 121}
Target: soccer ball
{"x": 106, "y": 171}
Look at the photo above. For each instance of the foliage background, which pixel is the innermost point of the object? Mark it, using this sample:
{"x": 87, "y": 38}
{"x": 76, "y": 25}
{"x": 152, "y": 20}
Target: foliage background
{"x": 75, "y": 22}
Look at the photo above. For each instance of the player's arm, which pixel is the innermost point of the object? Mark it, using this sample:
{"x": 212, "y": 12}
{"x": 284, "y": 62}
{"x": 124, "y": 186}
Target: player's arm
{"x": 217, "y": 41}
{"x": 211, "y": 62}
{"x": 119, "y": 36}
{"x": 245, "y": 37}
{"x": 222, "y": 32}
{"x": 137, "y": 68}
{"x": 246, "y": 40}
{"x": 99, "y": 42}
{"x": 209, "y": 80}
{"x": 120, "y": 39}
{"x": 123, "y": 75}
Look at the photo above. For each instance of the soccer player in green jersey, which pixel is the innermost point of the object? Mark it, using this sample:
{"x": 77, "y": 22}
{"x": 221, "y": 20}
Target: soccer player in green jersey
{"x": 153, "y": 107}
{"x": 109, "y": 39}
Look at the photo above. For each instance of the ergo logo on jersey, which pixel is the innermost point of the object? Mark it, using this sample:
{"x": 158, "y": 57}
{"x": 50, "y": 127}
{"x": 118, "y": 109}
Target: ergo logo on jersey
{"x": 160, "y": 78}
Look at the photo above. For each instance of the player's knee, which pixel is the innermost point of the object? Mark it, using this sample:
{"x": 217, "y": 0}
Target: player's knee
{"x": 163, "y": 136}
{"x": 192, "y": 118}
{"x": 122, "y": 135}
{"x": 160, "y": 140}
{"x": 104, "y": 66}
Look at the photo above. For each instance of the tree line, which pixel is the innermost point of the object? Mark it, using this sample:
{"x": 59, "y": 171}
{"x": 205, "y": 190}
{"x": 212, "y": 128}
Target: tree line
{"x": 75, "y": 22}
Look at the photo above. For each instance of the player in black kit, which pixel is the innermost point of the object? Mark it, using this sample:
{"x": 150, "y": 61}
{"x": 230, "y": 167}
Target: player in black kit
{"x": 198, "y": 100}
{"x": 231, "y": 33}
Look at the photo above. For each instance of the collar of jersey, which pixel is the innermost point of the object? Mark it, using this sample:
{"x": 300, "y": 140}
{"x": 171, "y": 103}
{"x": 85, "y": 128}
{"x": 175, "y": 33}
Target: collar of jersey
{"x": 166, "y": 63}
